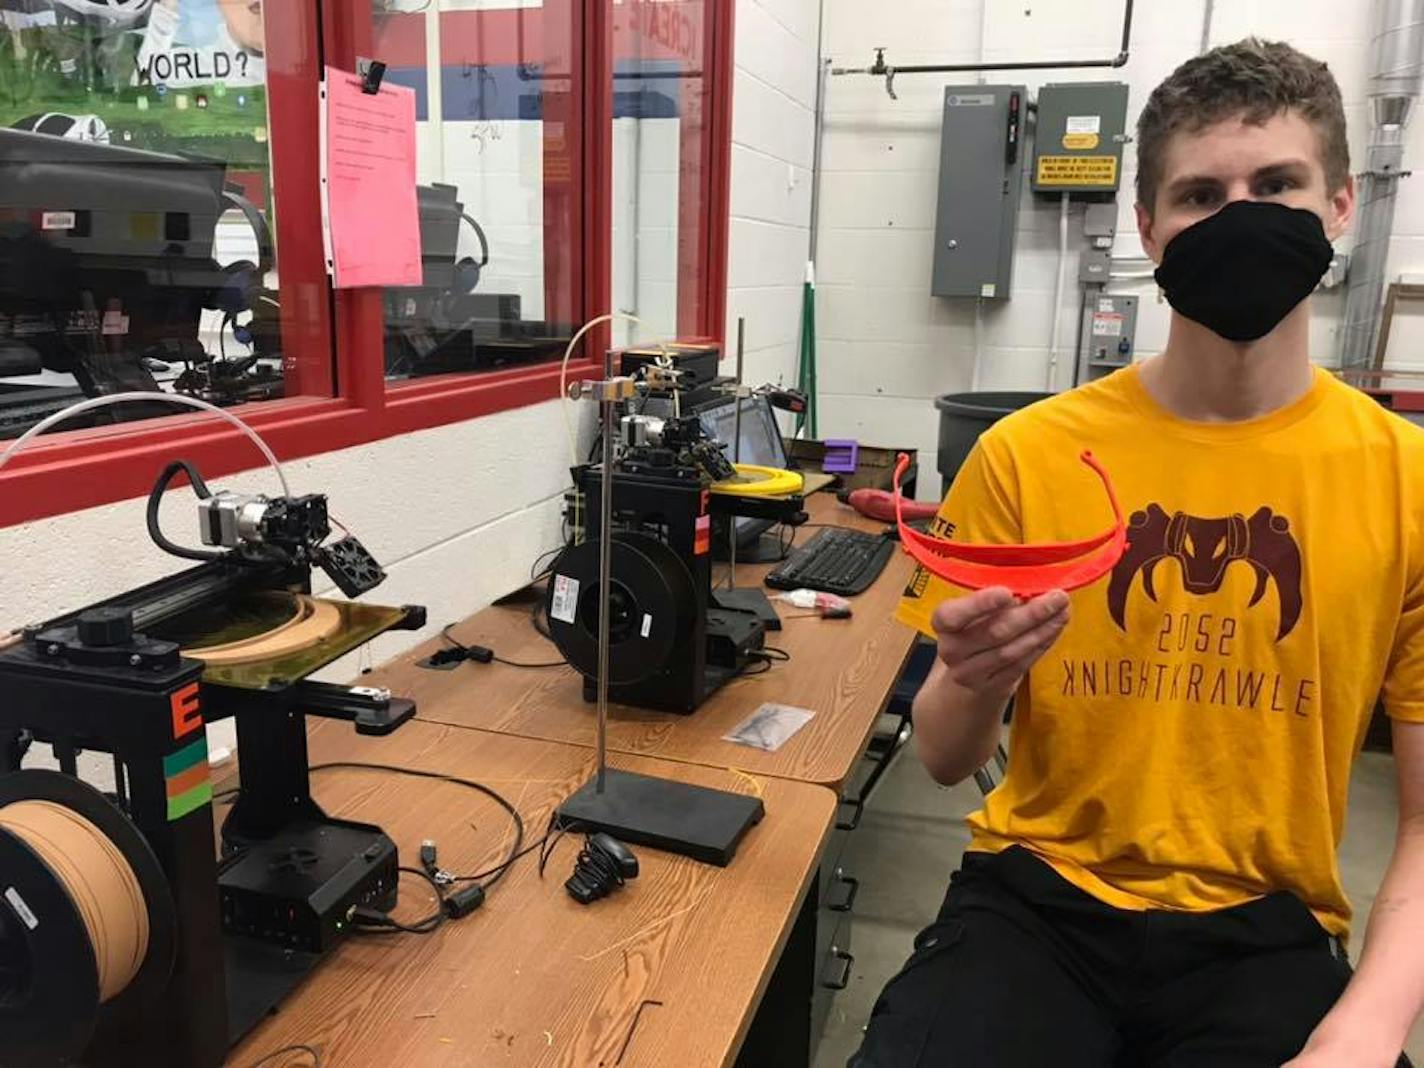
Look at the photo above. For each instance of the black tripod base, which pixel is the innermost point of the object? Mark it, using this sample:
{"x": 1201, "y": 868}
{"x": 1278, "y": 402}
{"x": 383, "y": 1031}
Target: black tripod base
{"x": 676, "y": 817}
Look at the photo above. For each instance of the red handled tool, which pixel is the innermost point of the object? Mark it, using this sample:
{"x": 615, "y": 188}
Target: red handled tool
{"x": 879, "y": 504}
{"x": 1025, "y": 570}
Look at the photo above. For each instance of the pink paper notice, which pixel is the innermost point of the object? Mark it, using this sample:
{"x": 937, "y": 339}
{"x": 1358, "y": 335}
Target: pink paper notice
{"x": 372, "y": 221}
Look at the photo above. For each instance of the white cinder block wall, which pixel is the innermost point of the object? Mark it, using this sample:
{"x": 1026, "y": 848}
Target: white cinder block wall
{"x": 773, "y": 125}
{"x": 457, "y": 514}
{"x": 886, "y": 347}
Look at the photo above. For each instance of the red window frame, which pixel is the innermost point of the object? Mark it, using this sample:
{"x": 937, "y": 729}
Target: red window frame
{"x": 86, "y": 468}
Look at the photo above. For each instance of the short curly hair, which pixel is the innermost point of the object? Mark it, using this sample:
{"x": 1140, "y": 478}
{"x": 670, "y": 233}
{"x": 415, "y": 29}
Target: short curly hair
{"x": 1254, "y": 79}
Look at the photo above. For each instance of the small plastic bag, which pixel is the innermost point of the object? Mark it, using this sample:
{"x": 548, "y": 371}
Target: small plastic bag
{"x": 769, "y": 726}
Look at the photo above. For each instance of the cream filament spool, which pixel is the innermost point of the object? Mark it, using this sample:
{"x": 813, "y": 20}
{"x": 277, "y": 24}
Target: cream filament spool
{"x": 100, "y": 883}
{"x": 58, "y": 930}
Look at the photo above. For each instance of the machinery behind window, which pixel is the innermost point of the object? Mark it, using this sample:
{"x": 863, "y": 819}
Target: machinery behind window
{"x": 672, "y": 642}
{"x": 109, "y": 262}
{"x": 447, "y": 323}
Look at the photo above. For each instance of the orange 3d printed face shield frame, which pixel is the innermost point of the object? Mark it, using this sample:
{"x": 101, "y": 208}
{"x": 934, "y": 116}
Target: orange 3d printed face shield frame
{"x": 1024, "y": 570}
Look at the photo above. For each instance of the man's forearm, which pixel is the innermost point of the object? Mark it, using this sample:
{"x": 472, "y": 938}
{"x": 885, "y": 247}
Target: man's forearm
{"x": 1387, "y": 992}
{"x": 956, "y": 729}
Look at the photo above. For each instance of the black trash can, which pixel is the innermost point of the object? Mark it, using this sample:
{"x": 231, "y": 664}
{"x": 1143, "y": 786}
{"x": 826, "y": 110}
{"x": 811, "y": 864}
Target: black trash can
{"x": 964, "y": 416}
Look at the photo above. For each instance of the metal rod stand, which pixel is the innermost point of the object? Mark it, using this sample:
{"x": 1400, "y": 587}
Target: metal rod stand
{"x": 736, "y": 448}
{"x": 605, "y": 571}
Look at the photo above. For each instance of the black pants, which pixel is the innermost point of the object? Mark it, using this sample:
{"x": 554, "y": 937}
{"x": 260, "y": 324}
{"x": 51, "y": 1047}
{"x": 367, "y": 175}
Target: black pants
{"x": 1023, "y": 970}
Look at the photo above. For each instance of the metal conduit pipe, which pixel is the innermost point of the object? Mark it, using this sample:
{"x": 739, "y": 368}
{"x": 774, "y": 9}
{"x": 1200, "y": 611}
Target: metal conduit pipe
{"x": 1397, "y": 54}
{"x": 888, "y": 72}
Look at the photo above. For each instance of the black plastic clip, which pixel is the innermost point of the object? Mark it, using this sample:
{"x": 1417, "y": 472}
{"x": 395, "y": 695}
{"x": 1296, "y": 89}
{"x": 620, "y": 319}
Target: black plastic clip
{"x": 371, "y": 72}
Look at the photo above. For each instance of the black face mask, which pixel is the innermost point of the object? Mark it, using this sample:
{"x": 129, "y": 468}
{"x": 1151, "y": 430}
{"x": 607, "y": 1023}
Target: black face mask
{"x": 1241, "y": 271}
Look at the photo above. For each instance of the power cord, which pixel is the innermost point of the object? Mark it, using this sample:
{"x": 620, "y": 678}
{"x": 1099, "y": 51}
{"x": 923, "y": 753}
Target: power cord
{"x": 430, "y": 868}
{"x": 479, "y": 787}
{"x": 458, "y": 652}
{"x": 373, "y": 921}
{"x": 766, "y": 657}
{"x": 603, "y": 865}
{"x": 499, "y": 869}
{"x": 540, "y": 623}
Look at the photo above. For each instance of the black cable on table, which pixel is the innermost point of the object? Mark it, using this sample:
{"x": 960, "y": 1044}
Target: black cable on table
{"x": 480, "y": 787}
{"x": 521, "y": 664}
{"x": 484, "y": 655}
{"x": 501, "y": 867}
{"x": 537, "y": 618}
{"x": 765, "y": 659}
{"x": 371, "y": 922}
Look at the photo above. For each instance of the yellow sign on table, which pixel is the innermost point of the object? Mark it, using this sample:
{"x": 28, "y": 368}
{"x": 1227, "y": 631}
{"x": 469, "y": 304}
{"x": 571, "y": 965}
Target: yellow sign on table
{"x": 1076, "y": 171}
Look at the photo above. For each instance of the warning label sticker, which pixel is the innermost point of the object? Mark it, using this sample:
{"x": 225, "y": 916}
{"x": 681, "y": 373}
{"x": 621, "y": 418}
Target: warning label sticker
{"x": 564, "y": 603}
{"x": 1107, "y": 324}
{"x": 1072, "y": 171}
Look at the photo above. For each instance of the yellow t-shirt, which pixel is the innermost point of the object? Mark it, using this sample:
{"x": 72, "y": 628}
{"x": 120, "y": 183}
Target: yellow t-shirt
{"x": 1187, "y": 743}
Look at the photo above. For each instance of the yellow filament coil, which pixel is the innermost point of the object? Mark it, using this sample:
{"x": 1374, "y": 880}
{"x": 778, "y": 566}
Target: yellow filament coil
{"x": 754, "y": 480}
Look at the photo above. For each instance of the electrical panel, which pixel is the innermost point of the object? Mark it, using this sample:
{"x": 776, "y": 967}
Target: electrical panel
{"x": 1078, "y": 138}
{"x": 980, "y": 182}
{"x": 1107, "y": 334}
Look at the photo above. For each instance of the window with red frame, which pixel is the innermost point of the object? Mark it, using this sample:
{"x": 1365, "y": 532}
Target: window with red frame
{"x": 500, "y": 106}
{"x": 671, "y": 65}
{"x": 136, "y": 211}
{"x": 520, "y": 105}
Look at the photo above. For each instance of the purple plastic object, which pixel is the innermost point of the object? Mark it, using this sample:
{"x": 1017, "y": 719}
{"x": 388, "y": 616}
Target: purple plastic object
{"x": 842, "y": 456}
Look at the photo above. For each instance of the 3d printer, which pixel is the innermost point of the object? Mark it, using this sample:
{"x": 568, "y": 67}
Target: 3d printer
{"x": 672, "y": 644}
{"x": 123, "y": 939}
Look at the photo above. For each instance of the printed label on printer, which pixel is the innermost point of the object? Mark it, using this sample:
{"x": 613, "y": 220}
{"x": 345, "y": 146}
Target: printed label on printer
{"x": 28, "y": 918}
{"x": 187, "y": 710}
{"x": 57, "y": 220}
{"x": 565, "y": 601}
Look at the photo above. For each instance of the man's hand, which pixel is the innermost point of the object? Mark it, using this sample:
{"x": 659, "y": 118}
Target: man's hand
{"x": 988, "y": 640}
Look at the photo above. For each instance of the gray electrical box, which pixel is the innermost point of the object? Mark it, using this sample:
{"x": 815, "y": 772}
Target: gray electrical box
{"x": 980, "y": 181}
{"x": 1078, "y": 137}
{"x": 1107, "y": 334}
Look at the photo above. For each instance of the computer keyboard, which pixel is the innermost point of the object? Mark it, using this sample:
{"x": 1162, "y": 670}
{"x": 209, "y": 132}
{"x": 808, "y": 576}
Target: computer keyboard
{"x": 835, "y": 561}
{"x": 21, "y": 409}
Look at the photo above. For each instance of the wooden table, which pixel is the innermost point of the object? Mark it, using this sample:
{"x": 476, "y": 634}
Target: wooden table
{"x": 667, "y": 971}
{"x": 842, "y": 670}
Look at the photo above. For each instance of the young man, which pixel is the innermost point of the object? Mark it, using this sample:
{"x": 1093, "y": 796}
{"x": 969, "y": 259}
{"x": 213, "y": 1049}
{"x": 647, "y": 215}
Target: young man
{"x": 1155, "y": 881}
